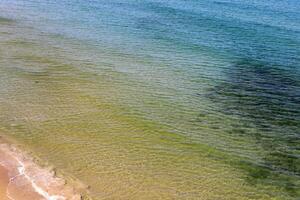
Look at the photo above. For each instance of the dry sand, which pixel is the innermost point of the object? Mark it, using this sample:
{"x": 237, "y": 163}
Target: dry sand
{"x": 22, "y": 179}
{"x": 3, "y": 183}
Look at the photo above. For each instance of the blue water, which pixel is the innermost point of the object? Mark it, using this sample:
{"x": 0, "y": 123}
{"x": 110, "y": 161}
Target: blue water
{"x": 214, "y": 71}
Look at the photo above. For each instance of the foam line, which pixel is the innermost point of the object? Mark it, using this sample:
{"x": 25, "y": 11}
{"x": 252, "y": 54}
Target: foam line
{"x": 9, "y": 182}
{"x": 38, "y": 189}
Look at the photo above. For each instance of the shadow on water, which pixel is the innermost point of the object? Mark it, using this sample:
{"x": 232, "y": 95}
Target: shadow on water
{"x": 4, "y": 20}
{"x": 267, "y": 99}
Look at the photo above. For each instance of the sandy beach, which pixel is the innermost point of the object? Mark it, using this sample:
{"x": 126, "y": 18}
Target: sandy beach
{"x": 4, "y": 180}
{"x": 150, "y": 99}
{"x": 9, "y": 191}
{"x": 22, "y": 179}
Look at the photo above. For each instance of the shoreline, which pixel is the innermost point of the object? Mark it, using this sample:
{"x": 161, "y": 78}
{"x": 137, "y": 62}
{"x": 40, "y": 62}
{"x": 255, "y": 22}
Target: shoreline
{"x": 21, "y": 178}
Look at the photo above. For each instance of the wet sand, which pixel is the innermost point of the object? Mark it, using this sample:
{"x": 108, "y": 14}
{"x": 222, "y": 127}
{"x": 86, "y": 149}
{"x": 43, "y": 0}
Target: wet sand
{"x": 9, "y": 190}
{"x": 22, "y": 179}
{"x": 3, "y": 183}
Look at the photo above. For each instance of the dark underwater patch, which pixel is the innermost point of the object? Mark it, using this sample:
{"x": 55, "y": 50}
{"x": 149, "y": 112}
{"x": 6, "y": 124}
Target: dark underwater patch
{"x": 4, "y": 20}
{"x": 266, "y": 98}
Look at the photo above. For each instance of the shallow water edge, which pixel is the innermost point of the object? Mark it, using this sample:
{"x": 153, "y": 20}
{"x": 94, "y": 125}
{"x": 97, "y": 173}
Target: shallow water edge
{"x": 23, "y": 179}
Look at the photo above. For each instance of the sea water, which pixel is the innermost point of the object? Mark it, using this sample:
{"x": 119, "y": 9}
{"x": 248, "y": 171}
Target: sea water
{"x": 157, "y": 99}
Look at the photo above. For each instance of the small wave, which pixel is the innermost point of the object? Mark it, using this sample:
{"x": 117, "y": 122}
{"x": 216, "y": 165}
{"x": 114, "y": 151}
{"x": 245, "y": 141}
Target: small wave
{"x": 38, "y": 189}
{"x": 42, "y": 182}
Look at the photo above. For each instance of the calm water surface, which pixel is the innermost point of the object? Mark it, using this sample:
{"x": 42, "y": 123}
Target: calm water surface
{"x": 157, "y": 99}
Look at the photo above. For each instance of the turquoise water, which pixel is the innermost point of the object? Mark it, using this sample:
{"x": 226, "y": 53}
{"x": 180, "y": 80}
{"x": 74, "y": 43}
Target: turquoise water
{"x": 157, "y": 88}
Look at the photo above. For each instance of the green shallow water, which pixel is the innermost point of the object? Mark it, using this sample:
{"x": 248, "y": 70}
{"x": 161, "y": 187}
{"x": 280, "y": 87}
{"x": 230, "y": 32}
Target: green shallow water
{"x": 152, "y": 136}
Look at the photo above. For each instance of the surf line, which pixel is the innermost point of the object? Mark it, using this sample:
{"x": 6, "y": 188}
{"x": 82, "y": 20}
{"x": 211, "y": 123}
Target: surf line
{"x": 39, "y": 190}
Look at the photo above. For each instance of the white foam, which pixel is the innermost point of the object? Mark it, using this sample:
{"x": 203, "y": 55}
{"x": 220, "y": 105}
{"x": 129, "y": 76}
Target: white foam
{"x": 39, "y": 190}
{"x": 41, "y": 181}
{"x": 10, "y": 181}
